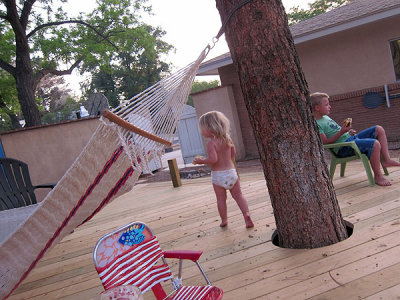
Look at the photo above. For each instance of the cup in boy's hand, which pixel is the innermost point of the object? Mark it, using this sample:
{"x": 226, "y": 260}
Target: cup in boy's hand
{"x": 197, "y": 157}
{"x": 348, "y": 122}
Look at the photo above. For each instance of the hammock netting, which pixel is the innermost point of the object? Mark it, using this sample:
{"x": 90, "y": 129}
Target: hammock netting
{"x": 108, "y": 167}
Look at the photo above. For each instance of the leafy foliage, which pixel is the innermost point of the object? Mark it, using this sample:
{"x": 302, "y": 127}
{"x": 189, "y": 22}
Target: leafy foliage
{"x": 52, "y": 92}
{"x": 130, "y": 72}
{"x": 9, "y": 106}
{"x": 54, "y": 99}
{"x": 62, "y": 113}
{"x": 104, "y": 81}
{"x": 318, "y": 7}
{"x": 111, "y": 39}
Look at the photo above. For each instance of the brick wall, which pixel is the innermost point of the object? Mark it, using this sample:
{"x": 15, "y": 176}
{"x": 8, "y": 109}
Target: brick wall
{"x": 351, "y": 105}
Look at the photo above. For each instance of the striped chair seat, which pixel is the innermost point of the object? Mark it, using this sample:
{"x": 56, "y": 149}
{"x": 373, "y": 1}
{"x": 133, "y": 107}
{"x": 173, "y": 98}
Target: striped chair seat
{"x": 192, "y": 292}
{"x": 131, "y": 256}
{"x": 137, "y": 267}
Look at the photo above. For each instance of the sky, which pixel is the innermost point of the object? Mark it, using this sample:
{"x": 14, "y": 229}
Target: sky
{"x": 190, "y": 26}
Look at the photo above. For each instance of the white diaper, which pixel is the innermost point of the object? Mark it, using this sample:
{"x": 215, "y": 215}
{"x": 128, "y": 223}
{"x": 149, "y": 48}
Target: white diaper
{"x": 225, "y": 179}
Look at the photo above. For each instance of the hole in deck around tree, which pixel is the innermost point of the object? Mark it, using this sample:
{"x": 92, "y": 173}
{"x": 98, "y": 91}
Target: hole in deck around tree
{"x": 349, "y": 228}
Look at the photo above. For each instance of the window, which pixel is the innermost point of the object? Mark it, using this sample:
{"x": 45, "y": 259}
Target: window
{"x": 395, "y": 48}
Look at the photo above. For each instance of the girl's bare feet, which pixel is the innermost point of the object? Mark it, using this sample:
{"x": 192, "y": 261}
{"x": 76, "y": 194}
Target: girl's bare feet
{"x": 249, "y": 222}
{"x": 382, "y": 181}
{"x": 223, "y": 223}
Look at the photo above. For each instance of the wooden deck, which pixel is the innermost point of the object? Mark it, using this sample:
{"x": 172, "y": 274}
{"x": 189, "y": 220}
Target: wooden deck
{"x": 243, "y": 262}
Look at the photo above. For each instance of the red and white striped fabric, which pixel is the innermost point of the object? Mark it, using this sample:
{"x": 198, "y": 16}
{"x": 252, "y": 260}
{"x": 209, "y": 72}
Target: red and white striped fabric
{"x": 137, "y": 267}
{"x": 192, "y": 292}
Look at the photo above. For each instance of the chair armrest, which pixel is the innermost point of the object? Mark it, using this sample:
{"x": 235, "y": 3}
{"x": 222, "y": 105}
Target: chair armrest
{"x": 186, "y": 254}
{"x": 45, "y": 185}
{"x": 351, "y": 144}
{"x": 183, "y": 254}
{"x": 343, "y": 144}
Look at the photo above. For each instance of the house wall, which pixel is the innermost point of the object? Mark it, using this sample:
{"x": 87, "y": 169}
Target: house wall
{"x": 351, "y": 105}
{"x": 222, "y": 99}
{"x": 345, "y": 65}
{"x": 49, "y": 150}
{"x": 229, "y": 76}
{"x": 350, "y": 60}
{"x": 343, "y": 106}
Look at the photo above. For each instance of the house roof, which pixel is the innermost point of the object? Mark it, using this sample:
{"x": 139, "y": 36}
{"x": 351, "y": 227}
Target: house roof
{"x": 356, "y": 13}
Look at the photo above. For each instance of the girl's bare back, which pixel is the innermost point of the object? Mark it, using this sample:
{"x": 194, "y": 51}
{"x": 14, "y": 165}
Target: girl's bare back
{"x": 224, "y": 153}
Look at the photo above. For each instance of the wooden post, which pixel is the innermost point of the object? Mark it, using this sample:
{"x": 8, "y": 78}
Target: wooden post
{"x": 174, "y": 171}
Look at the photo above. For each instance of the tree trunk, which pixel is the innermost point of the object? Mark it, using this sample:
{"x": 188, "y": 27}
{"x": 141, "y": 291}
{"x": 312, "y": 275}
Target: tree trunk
{"x": 276, "y": 95}
{"x": 23, "y": 71}
{"x": 25, "y": 83}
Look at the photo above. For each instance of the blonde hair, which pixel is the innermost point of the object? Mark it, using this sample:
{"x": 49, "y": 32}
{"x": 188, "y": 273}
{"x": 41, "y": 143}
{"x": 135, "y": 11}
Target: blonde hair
{"x": 218, "y": 124}
{"x": 317, "y": 97}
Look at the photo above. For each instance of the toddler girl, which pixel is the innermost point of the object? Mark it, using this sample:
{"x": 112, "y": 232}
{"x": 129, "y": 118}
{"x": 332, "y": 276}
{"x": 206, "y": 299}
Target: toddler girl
{"x": 220, "y": 155}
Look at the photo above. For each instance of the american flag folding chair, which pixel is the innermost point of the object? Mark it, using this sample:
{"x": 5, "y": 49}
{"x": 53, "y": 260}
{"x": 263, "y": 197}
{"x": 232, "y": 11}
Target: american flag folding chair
{"x": 131, "y": 255}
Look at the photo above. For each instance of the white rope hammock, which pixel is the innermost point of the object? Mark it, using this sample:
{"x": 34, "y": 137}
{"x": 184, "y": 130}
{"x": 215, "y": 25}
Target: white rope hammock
{"x": 108, "y": 167}
{"x": 149, "y": 119}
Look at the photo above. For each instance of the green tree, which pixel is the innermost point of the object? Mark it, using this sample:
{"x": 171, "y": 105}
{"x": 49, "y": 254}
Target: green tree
{"x": 52, "y": 92}
{"x": 199, "y": 86}
{"x": 130, "y": 72}
{"x": 104, "y": 81}
{"x": 297, "y": 14}
{"x": 9, "y": 106}
{"x": 63, "y": 112}
{"x": 38, "y": 38}
{"x": 55, "y": 102}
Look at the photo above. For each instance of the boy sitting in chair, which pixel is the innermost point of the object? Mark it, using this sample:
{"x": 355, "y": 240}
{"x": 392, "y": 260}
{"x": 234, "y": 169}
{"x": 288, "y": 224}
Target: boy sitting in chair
{"x": 371, "y": 142}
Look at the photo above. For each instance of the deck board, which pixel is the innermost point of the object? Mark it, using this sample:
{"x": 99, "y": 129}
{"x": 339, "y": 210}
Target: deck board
{"x": 243, "y": 262}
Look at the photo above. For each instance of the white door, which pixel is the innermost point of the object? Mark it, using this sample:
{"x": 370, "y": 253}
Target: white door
{"x": 190, "y": 138}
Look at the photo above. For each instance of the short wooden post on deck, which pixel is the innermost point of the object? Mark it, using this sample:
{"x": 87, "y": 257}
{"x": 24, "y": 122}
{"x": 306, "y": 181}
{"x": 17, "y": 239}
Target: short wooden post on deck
{"x": 174, "y": 171}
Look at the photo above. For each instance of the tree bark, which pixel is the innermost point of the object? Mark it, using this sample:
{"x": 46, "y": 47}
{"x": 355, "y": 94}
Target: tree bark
{"x": 23, "y": 72}
{"x": 25, "y": 85}
{"x": 276, "y": 95}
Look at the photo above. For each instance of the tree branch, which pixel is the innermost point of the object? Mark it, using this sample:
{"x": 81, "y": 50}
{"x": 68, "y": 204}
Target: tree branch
{"x": 13, "y": 18}
{"x": 71, "y": 22}
{"x": 44, "y": 72}
{"x": 26, "y": 11}
{"x": 7, "y": 67}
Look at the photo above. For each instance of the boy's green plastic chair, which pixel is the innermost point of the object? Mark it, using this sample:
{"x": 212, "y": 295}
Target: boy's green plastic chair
{"x": 335, "y": 160}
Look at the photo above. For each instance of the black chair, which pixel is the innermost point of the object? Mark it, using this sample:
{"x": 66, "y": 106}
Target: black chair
{"x": 16, "y": 188}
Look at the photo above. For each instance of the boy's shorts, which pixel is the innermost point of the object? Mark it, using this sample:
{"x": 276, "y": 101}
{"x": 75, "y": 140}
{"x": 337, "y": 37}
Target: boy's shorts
{"x": 364, "y": 140}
